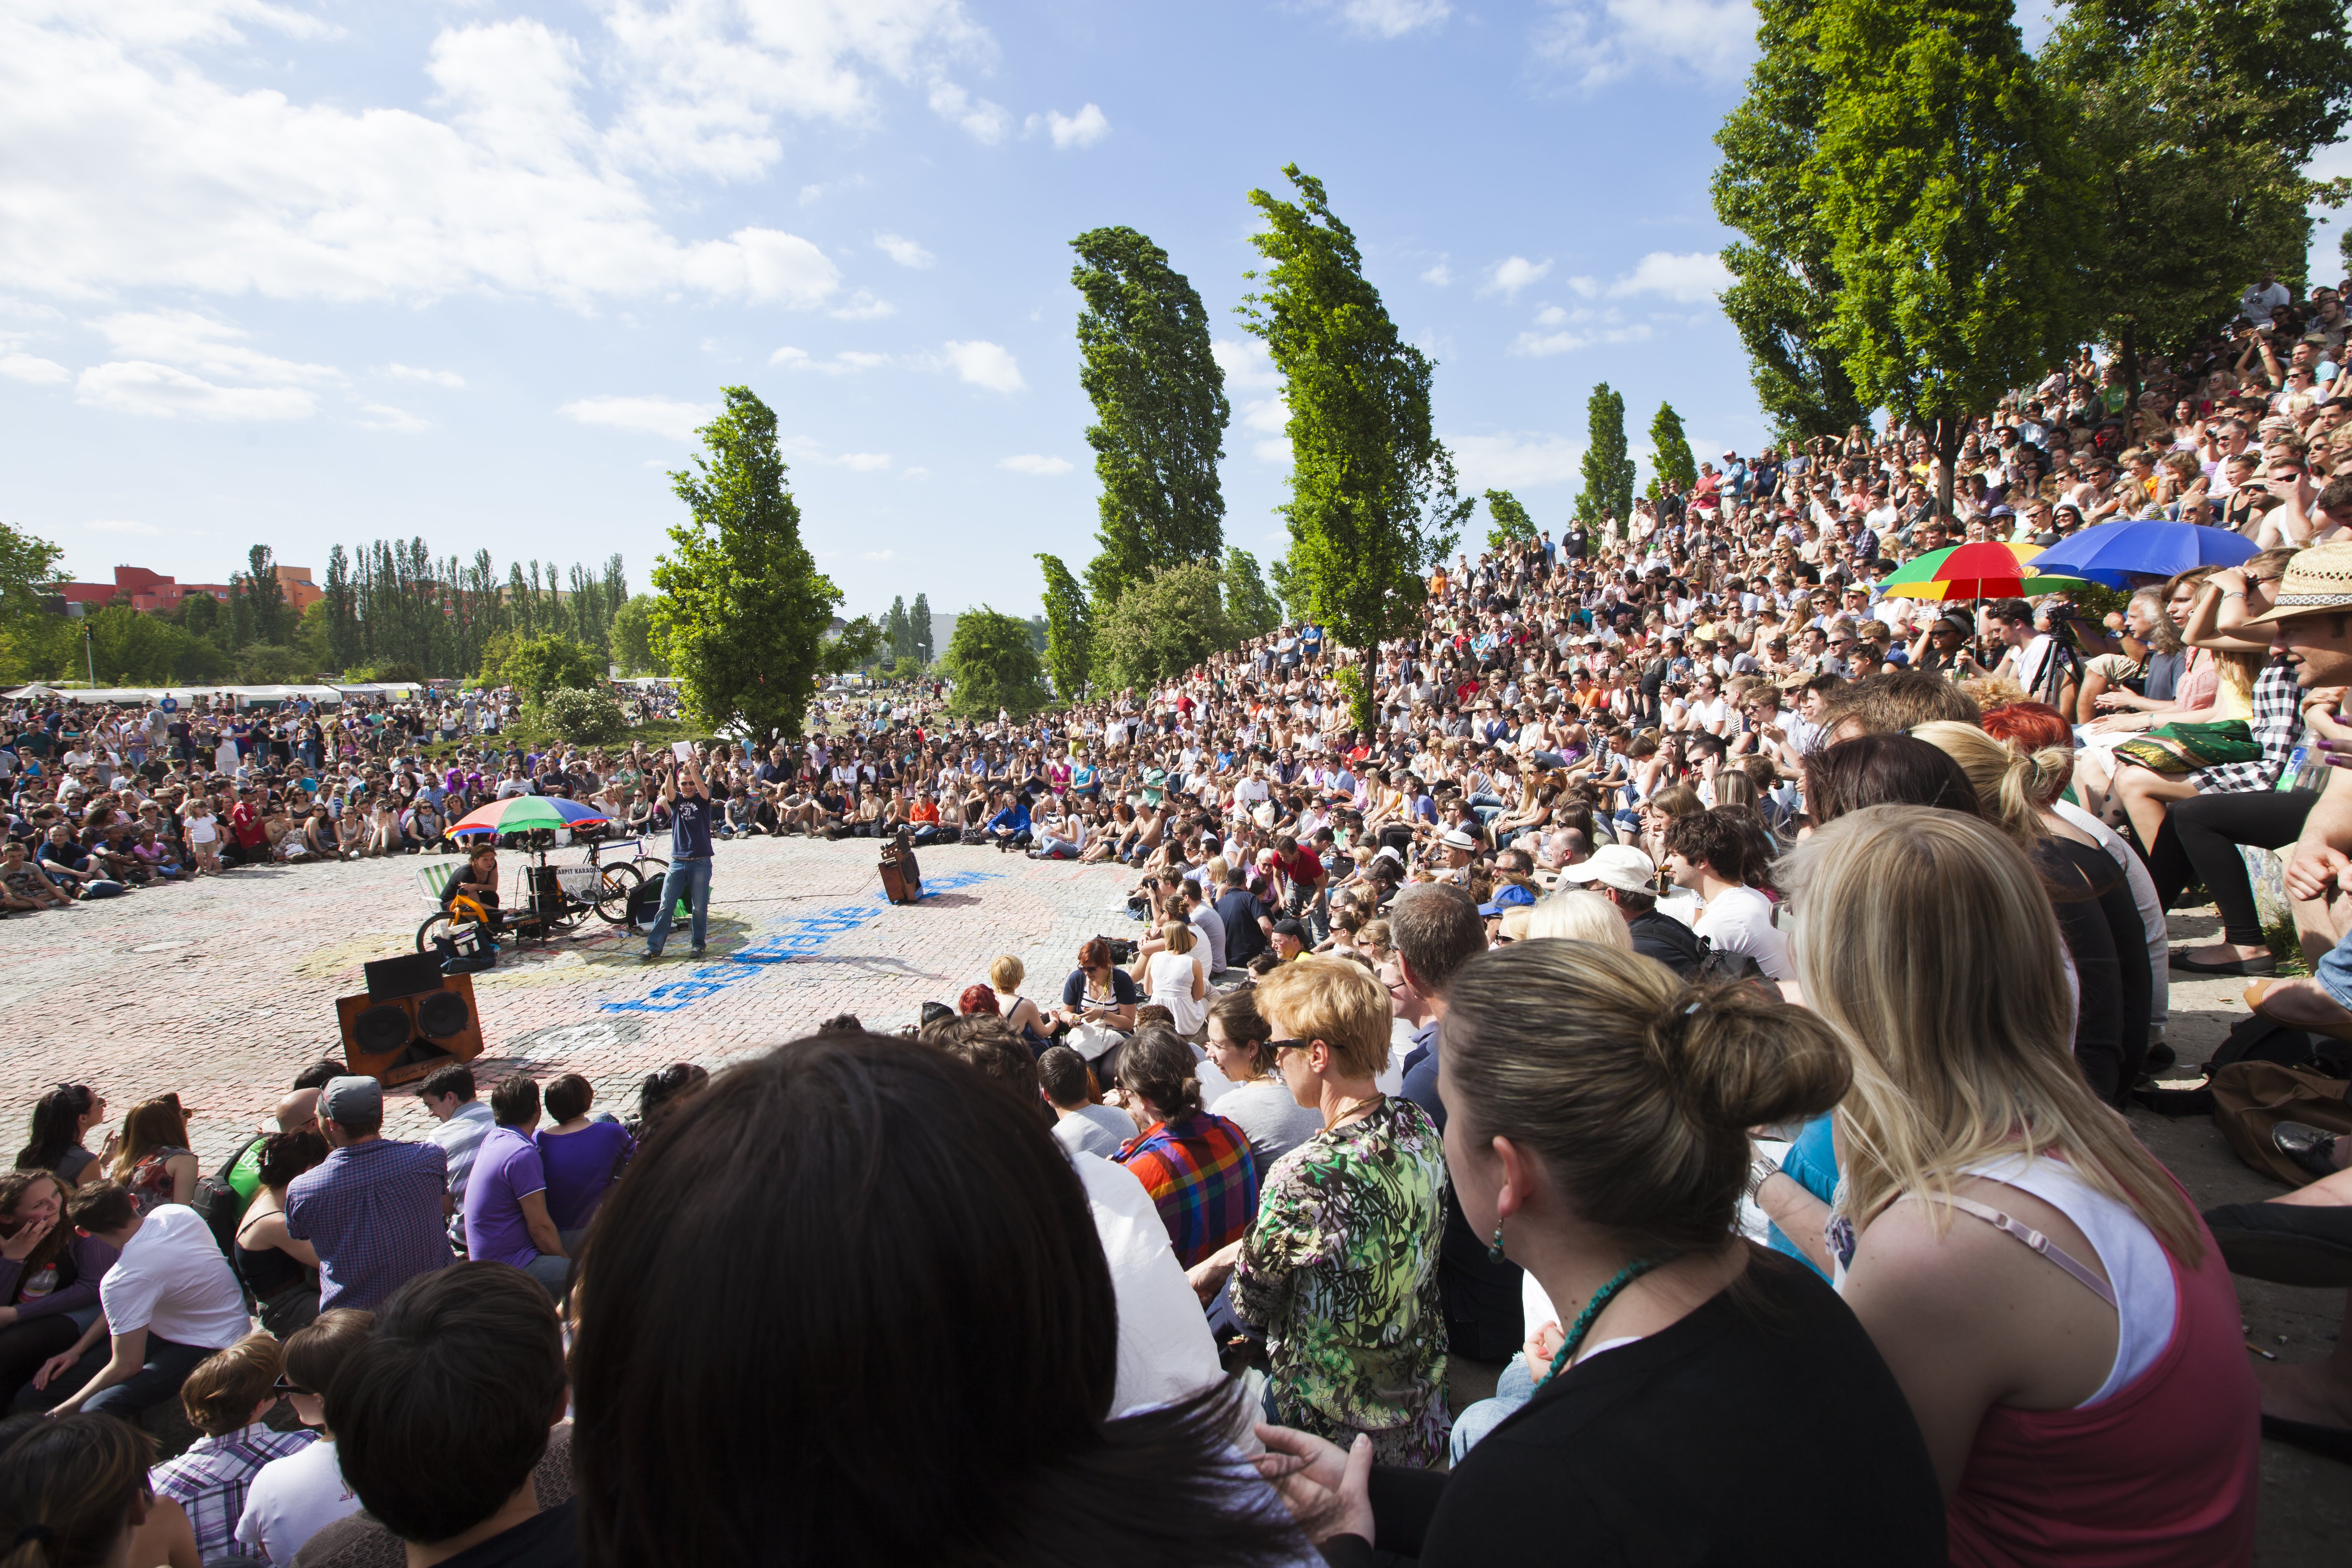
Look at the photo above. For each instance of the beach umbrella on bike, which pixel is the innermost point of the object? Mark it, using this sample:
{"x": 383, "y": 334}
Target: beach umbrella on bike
{"x": 521, "y": 812}
{"x": 2115, "y": 553}
{"x": 1976, "y": 570}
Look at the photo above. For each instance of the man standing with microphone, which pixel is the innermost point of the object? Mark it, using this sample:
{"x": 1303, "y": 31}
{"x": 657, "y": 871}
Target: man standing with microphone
{"x": 689, "y": 856}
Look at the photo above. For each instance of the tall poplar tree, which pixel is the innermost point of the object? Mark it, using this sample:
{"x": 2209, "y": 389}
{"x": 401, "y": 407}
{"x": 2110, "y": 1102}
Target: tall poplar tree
{"x": 1372, "y": 491}
{"x": 1608, "y": 472}
{"x": 1159, "y": 410}
{"x": 1069, "y": 630}
{"x": 918, "y": 629}
{"x": 1670, "y": 452}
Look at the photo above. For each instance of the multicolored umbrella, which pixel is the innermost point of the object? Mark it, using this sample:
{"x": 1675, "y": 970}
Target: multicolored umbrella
{"x": 2114, "y": 553}
{"x": 520, "y": 812}
{"x": 1976, "y": 570}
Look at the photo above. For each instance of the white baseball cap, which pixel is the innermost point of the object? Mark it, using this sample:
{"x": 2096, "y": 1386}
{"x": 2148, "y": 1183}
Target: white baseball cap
{"x": 1618, "y": 866}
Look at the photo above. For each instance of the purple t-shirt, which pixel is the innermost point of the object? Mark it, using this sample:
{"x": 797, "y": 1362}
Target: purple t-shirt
{"x": 506, "y": 1171}
{"x": 580, "y": 1166}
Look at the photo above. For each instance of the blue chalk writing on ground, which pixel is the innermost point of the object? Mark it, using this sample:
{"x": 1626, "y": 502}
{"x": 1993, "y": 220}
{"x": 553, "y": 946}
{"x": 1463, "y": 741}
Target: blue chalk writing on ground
{"x": 797, "y": 938}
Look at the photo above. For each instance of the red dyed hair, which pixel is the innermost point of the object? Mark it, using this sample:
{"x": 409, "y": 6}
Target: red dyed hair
{"x": 2032, "y": 725}
{"x": 977, "y": 999}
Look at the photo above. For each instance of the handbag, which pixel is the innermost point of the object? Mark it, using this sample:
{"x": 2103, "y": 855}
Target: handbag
{"x": 2249, "y": 1098}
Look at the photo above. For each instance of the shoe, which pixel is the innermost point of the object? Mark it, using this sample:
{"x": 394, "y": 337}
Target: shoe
{"x": 2287, "y": 1244}
{"x": 2258, "y": 994}
{"x": 2332, "y": 1442}
{"x": 696, "y": 952}
{"x": 650, "y": 954}
{"x": 2261, "y": 963}
{"x": 2313, "y": 1148}
{"x": 2160, "y": 1055}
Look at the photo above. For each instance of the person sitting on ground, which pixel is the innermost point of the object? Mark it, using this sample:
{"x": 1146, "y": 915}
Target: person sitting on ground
{"x": 1005, "y": 974}
{"x": 662, "y": 1093}
{"x": 816, "y": 1424}
{"x": 154, "y": 1161}
{"x": 506, "y": 1210}
{"x": 49, "y": 1276}
{"x": 225, "y": 1399}
{"x": 168, "y": 1303}
{"x": 62, "y": 1118}
{"x": 73, "y": 1492}
{"x": 445, "y": 1413}
{"x": 448, "y": 1093}
{"x": 292, "y": 1499}
{"x": 1599, "y": 1110}
{"x": 1259, "y": 1102}
{"x": 1083, "y": 1123}
{"x": 1176, "y": 976}
{"x": 1196, "y": 1166}
{"x": 1097, "y": 1010}
{"x": 280, "y": 1271}
{"x": 372, "y": 1211}
{"x": 1707, "y": 853}
{"x": 582, "y": 1158}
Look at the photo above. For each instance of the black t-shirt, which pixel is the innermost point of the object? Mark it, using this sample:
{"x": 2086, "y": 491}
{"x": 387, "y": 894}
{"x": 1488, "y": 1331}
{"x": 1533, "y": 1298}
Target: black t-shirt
{"x": 1714, "y": 1441}
{"x": 1245, "y": 938}
{"x": 547, "y": 1538}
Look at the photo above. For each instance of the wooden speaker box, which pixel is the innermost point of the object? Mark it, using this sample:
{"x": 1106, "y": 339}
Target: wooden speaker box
{"x": 398, "y": 1039}
{"x": 902, "y": 883}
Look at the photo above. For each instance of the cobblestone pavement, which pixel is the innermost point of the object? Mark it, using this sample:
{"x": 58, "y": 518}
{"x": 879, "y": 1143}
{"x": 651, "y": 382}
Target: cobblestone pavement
{"x": 224, "y": 989}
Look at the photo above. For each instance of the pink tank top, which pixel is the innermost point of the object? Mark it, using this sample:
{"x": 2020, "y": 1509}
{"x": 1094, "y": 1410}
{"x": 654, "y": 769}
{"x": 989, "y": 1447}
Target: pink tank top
{"x": 2113, "y": 1485}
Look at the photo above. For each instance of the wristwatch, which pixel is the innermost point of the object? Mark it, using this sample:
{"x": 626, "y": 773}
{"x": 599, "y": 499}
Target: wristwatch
{"x": 1761, "y": 1170}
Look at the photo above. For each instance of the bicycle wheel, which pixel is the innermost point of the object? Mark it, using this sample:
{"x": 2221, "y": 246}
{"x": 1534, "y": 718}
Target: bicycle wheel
{"x": 612, "y": 891}
{"x": 437, "y": 924}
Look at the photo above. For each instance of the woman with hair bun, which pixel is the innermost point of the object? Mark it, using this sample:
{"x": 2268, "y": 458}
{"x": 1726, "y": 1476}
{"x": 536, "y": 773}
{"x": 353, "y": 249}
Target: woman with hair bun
{"x": 73, "y": 1491}
{"x": 1705, "y": 1393}
{"x": 1197, "y": 1166}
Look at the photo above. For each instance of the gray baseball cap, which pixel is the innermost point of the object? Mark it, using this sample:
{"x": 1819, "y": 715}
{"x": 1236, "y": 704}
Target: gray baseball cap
{"x": 351, "y": 1101}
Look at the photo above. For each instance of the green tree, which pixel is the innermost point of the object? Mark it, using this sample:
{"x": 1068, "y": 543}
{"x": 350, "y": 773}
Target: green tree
{"x": 919, "y": 626}
{"x": 1512, "y": 525}
{"x": 1949, "y": 179}
{"x": 854, "y": 647}
{"x": 1608, "y": 470}
{"x": 898, "y": 639}
{"x": 1069, "y": 630}
{"x": 1251, "y": 610}
{"x": 1372, "y": 492}
{"x": 744, "y": 611}
{"x": 1145, "y": 362}
{"x": 2198, "y": 120}
{"x": 633, "y": 637}
{"x": 265, "y": 595}
{"x": 537, "y": 665}
{"x": 1670, "y": 455}
{"x": 342, "y": 612}
{"x": 312, "y": 641}
{"x": 30, "y": 636}
{"x": 1784, "y": 287}
{"x": 126, "y": 645}
{"x": 1170, "y": 624}
{"x": 993, "y": 664}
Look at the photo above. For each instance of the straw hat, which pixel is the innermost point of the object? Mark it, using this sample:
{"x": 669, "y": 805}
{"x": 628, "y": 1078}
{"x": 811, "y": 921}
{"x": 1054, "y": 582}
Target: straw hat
{"x": 2318, "y": 580}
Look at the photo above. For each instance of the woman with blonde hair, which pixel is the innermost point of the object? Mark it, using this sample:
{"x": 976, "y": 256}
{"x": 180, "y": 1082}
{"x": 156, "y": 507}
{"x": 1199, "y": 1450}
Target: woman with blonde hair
{"x": 1176, "y": 976}
{"x": 1580, "y": 914}
{"x": 2105, "y": 941}
{"x": 2085, "y": 1395}
{"x": 1005, "y": 974}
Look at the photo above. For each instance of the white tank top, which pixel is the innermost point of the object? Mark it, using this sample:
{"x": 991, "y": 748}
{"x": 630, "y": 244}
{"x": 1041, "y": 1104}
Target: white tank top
{"x": 1171, "y": 987}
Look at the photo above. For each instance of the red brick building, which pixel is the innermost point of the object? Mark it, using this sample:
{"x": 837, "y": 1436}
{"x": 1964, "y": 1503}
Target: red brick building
{"x": 148, "y": 590}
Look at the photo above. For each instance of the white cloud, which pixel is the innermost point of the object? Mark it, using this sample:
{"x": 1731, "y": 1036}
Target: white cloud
{"x": 863, "y": 462}
{"x": 1600, "y": 41}
{"x": 985, "y": 364}
{"x": 124, "y": 525}
{"x": 1032, "y": 463}
{"x": 1512, "y": 274}
{"x": 1542, "y": 345}
{"x": 1515, "y": 459}
{"x": 845, "y": 363}
{"x": 164, "y": 391}
{"x": 984, "y": 121}
{"x": 1393, "y": 18}
{"x": 861, "y": 307}
{"x": 507, "y": 186}
{"x": 1245, "y": 363}
{"x": 1084, "y": 128}
{"x": 434, "y": 378}
{"x": 1690, "y": 280}
{"x": 1276, "y": 451}
{"x": 1441, "y": 274}
{"x": 879, "y": 555}
{"x": 904, "y": 251}
{"x": 800, "y": 449}
{"x": 33, "y": 368}
{"x": 1582, "y": 288}
{"x": 384, "y": 417}
{"x": 1550, "y": 316}
{"x": 665, "y": 416}
{"x": 1270, "y": 416}
{"x": 204, "y": 344}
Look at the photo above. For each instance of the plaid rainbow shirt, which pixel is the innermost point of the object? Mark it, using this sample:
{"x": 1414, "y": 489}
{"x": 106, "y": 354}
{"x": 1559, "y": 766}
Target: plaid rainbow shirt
{"x": 1200, "y": 1175}
{"x": 210, "y": 1481}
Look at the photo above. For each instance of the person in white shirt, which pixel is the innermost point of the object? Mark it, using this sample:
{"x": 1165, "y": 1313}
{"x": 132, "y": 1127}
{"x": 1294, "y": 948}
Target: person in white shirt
{"x": 169, "y": 1301}
{"x": 293, "y": 1498}
{"x": 1709, "y": 853}
{"x": 448, "y": 1093}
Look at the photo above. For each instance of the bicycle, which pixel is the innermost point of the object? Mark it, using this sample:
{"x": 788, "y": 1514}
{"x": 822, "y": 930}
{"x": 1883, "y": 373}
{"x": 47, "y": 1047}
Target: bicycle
{"x": 616, "y": 883}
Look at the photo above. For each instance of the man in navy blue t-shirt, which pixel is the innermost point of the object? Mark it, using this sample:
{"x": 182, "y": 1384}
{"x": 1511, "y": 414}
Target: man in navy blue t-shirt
{"x": 689, "y": 857}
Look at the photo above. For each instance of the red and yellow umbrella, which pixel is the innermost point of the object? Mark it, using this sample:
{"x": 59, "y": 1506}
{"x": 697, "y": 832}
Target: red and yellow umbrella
{"x": 1978, "y": 570}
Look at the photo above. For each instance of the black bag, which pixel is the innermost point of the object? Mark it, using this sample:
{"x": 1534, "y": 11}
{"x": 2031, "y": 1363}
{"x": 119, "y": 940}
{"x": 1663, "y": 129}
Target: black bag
{"x": 2255, "y": 1038}
{"x": 1717, "y": 967}
{"x": 466, "y": 952}
{"x": 218, "y": 1202}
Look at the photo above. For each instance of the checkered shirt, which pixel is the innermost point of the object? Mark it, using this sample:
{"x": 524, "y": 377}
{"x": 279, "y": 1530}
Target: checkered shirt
{"x": 1202, "y": 1177}
{"x": 2276, "y": 721}
{"x": 210, "y": 1481}
{"x": 374, "y": 1212}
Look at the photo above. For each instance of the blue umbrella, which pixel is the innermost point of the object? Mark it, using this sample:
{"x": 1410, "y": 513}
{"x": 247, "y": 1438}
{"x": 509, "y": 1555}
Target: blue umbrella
{"x": 2115, "y": 552}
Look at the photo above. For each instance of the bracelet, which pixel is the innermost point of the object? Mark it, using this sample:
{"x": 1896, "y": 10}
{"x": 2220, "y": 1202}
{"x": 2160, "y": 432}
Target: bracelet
{"x": 1761, "y": 1170}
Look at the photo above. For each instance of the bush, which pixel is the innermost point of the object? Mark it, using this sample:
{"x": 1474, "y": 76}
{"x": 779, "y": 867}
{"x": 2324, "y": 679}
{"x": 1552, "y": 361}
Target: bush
{"x": 583, "y": 717}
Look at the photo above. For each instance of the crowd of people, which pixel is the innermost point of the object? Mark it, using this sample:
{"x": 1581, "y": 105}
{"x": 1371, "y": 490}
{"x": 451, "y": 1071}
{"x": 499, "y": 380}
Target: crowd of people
{"x": 1710, "y": 987}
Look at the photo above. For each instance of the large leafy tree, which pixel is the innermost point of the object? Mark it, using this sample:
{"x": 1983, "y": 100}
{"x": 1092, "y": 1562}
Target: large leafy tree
{"x": 1609, "y": 469}
{"x": 633, "y": 637}
{"x": 1070, "y": 629}
{"x": 30, "y": 638}
{"x": 1670, "y": 452}
{"x": 919, "y": 629}
{"x": 897, "y": 636}
{"x": 1956, "y": 198}
{"x": 1251, "y": 609}
{"x": 1159, "y": 410}
{"x": 1511, "y": 524}
{"x": 744, "y": 613}
{"x": 1372, "y": 491}
{"x": 1171, "y": 623}
{"x": 265, "y": 595}
{"x": 994, "y": 666}
{"x": 1784, "y": 287}
{"x": 2198, "y": 120}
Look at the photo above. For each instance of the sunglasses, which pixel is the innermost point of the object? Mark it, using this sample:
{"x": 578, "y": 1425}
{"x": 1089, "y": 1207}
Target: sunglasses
{"x": 1291, "y": 1044}
{"x": 286, "y": 1385}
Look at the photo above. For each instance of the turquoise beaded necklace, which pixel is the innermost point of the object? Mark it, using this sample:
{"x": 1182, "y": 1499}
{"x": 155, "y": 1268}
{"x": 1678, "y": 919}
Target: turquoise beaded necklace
{"x": 1598, "y": 1304}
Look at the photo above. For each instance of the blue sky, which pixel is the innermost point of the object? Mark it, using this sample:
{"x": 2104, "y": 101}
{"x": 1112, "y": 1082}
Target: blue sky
{"x": 317, "y": 271}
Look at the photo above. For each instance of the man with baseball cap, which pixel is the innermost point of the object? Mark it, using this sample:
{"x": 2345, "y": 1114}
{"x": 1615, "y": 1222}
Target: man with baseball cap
{"x": 375, "y": 1210}
{"x": 1629, "y": 880}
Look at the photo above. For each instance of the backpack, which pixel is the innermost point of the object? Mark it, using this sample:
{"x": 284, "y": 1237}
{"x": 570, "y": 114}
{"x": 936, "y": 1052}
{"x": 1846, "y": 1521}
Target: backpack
{"x": 1715, "y": 966}
{"x": 220, "y": 1203}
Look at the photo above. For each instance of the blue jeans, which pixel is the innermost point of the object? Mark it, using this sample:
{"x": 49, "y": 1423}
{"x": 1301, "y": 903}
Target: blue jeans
{"x": 166, "y": 1366}
{"x": 553, "y": 1274}
{"x": 1513, "y": 1389}
{"x": 691, "y": 881}
{"x": 2335, "y": 973}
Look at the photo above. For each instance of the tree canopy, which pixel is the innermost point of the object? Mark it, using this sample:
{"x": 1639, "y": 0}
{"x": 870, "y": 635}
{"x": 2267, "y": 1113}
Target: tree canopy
{"x": 1069, "y": 630}
{"x": 1608, "y": 472}
{"x": 1670, "y": 452}
{"x": 1251, "y": 610}
{"x": 1161, "y": 627}
{"x": 1511, "y": 524}
{"x": 994, "y": 666}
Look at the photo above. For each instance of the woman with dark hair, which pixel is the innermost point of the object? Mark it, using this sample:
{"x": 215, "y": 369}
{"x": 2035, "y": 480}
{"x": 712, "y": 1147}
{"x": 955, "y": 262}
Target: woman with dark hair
{"x": 583, "y": 1157}
{"x": 1884, "y": 769}
{"x": 281, "y": 1272}
{"x": 917, "y": 1362}
{"x": 49, "y": 1275}
{"x": 662, "y": 1092}
{"x": 154, "y": 1161}
{"x": 1598, "y": 1133}
{"x": 1097, "y": 1010}
{"x": 62, "y": 1119}
{"x": 1241, "y": 1045}
{"x": 1196, "y": 1166}
{"x": 73, "y": 1490}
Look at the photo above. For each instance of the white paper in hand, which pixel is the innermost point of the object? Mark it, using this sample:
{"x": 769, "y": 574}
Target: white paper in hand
{"x": 682, "y": 750}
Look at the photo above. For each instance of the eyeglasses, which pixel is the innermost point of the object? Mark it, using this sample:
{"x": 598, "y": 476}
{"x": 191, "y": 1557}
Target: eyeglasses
{"x": 286, "y": 1385}
{"x": 1296, "y": 1044}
